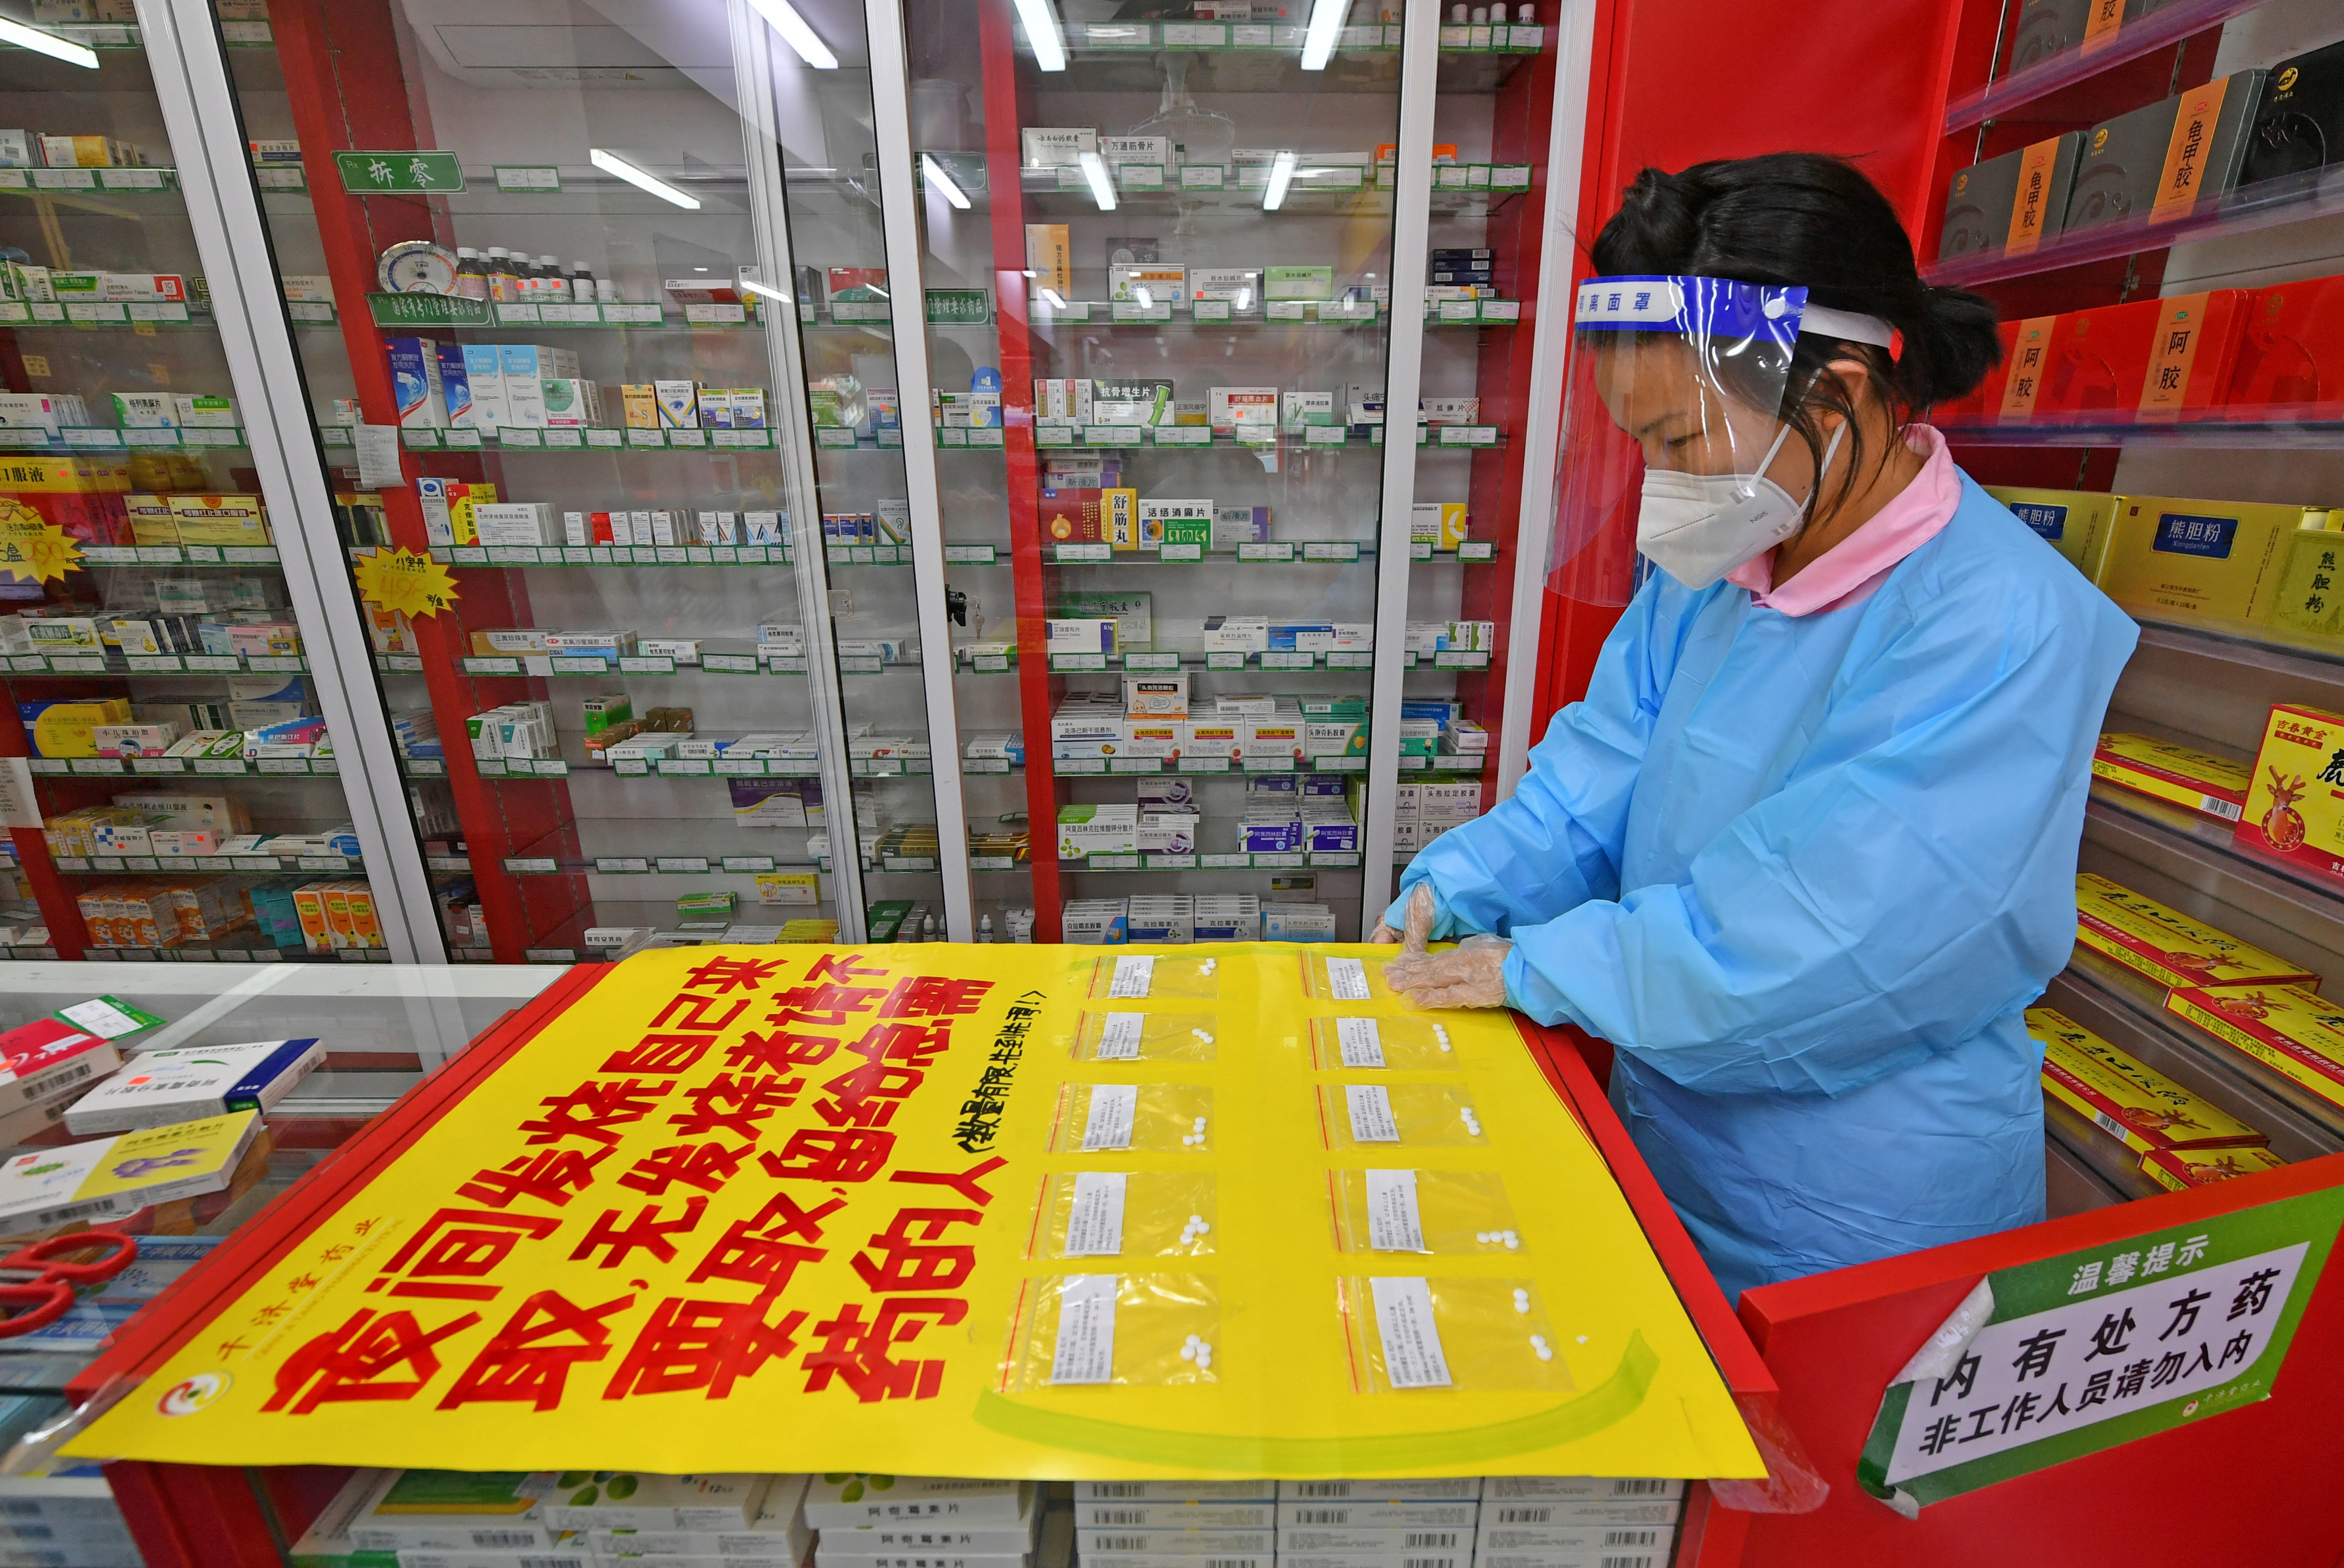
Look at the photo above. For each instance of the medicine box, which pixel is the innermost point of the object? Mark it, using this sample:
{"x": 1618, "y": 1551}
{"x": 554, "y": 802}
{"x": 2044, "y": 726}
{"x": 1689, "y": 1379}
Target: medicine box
{"x": 1160, "y": 696}
{"x": 1105, "y": 828}
{"x": 2214, "y": 562}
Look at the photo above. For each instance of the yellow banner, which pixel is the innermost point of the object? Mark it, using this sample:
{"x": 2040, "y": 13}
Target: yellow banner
{"x": 1000, "y": 1211}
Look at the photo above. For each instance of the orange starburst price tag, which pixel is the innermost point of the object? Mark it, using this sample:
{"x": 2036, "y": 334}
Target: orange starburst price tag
{"x": 402, "y": 580}
{"x": 33, "y": 549}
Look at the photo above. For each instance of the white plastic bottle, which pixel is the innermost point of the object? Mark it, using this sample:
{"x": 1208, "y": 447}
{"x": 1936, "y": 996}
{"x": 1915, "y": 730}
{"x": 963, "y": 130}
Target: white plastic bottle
{"x": 554, "y": 287}
{"x": 985, "y": 929}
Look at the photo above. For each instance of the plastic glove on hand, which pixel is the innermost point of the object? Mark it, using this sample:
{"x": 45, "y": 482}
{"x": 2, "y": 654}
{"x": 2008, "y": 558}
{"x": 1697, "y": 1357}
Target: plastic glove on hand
{"x": 1417, "y": 919}
{"x": 1470, "y": 975}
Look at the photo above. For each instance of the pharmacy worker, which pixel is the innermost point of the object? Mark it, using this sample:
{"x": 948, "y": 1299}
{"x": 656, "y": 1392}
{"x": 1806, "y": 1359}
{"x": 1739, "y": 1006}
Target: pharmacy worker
{"x": 1807, "y": 848}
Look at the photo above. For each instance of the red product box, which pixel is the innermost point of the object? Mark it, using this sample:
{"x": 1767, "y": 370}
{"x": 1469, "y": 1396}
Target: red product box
{"x": 2291, "y": 359}
{"x": 2152, "y": 360}
{"x": 49, "y": 1057}
{"x": 1073, "y": 517}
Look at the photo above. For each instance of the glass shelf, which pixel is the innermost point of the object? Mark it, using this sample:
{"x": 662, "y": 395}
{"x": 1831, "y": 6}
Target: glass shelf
{"x": 2235, "y": 433}
{"x": 2169, "y": 25}
{"x": 2268, "y": 203}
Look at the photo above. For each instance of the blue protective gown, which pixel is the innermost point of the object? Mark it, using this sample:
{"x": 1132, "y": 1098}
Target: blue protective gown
{"x": 1806, "y": 873}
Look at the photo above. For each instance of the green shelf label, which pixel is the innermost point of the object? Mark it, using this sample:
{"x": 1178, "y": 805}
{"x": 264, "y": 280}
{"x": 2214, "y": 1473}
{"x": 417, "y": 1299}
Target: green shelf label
{"x": 412, "y": 171}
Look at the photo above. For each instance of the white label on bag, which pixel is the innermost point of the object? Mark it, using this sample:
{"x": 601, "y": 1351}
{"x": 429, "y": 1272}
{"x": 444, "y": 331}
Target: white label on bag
{"x": 1094, "y": 1220}
{"x": 1119, "y": 1040}
{"x": 1134, "y": 973}
{"x": 1085, "y": 1348}
{"x": 1372, "y": 1113}
{"x": 1395, "y": 1224}
{"x": 1412, "y": 1357}
{"x": 1107, "y": 1125}
{"x": 1361, "y": 1043}
{"x": 1348, "y": 979}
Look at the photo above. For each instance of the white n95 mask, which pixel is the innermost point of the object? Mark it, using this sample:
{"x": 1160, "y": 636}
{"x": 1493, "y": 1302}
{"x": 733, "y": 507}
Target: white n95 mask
{"x": 1699, "y": 526}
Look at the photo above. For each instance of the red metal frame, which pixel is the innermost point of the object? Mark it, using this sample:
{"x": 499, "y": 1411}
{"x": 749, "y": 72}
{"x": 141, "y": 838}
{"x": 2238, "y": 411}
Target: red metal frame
{"x": 369, "y": 106}
{"x": 1007, "y": 91}
{"x": 1523, "y": 125}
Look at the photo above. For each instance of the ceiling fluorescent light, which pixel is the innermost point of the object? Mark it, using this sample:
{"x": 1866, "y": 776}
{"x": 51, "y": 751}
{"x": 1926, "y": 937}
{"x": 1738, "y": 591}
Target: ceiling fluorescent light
{"x": 1326, "y": 26}
{"x": 1042, "y": 31}
{"x": 942, "y": 182}
{"x": 49, "y": 44}
{"x": 1102, "y": 187}
{"x": 612, "y": 162}
{"x": 784, "y": 20}
{"x": 1281, "y": 175}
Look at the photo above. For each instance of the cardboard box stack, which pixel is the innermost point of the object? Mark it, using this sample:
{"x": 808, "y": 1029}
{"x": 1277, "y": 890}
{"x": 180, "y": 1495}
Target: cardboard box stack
{"x": 926, "y": 1522}
{"x": 1379, "y": 1524}
{"x": 1578, "y": 1522}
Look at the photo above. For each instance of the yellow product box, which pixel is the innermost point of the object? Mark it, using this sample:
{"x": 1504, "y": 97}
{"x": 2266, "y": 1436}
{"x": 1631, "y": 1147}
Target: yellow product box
{"x": 151, "y": 520}
{"x": 309, "y": 908}
{"x": 2134, "y": 1104}
{"x": 2213, "y": 785}
{"x": 1443, "y": 525}
{"x": 1119, "y": 518}
{"x": 788, "y": 888}
{"x": 510, "y": 639}
{"x": 2182, "y": 1169}
{"x": 2166, "y": 946}
{"x": 809, "y": 930}
{"x": 220, "y": 519}
{"x": 1050, "y": 257}
{"x": 463, "y": 500}
{"x": 2308, "y": 603}
{"x": 639, "y": 406}
{"x": 390, "y": 631}
{"x": 61, "y": 727}
{"x": 2078, "y": 524}
{"x": 2293, "y": 1032}
{"x": 2295, "y": 802}
{"x": 2201, "y": 561}
{"x": 366, "y": 931}
{"x": 340, "y": 928}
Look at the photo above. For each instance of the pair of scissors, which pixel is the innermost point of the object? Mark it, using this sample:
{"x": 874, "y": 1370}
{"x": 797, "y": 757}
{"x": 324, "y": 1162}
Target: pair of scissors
{"x": 37, "y": 1284}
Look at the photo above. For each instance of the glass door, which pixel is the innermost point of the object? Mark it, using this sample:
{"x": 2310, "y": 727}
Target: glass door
{"x": 170, "y": 679}
{"x": 552, "y": 262}
{"x": 1158, "y": 263}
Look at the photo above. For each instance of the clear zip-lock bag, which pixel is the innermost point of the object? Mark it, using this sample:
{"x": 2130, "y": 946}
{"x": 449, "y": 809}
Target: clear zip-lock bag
{"x": 1450, "y": 1214}
{"x": 1124, "y": 1214}
{"x": 1373, "y": 1116}
{"x": 1154, "y": 977}
{"x": 1134, "y": 1118}
{"x": 1127, "y": 1329}
{"x": 1342, "y": 977}
{"x": 1415, "y": 1334}
{"x": 1117, "y": 1036}
{"x": 1414, "y": 1043}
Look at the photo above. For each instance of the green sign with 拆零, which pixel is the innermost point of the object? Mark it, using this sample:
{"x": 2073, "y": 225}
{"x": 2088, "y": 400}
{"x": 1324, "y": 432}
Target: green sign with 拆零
{"x": 2057, "y": 1358}
{"x": 411, "y": 172}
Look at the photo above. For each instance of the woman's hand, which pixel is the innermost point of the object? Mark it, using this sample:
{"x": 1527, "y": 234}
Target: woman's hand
{"x": 1417, "y": 921}
{"x": 1472, "y": 974}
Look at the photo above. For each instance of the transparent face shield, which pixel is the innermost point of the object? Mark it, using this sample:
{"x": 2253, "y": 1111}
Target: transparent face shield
{"x": 1673, "y": 422}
